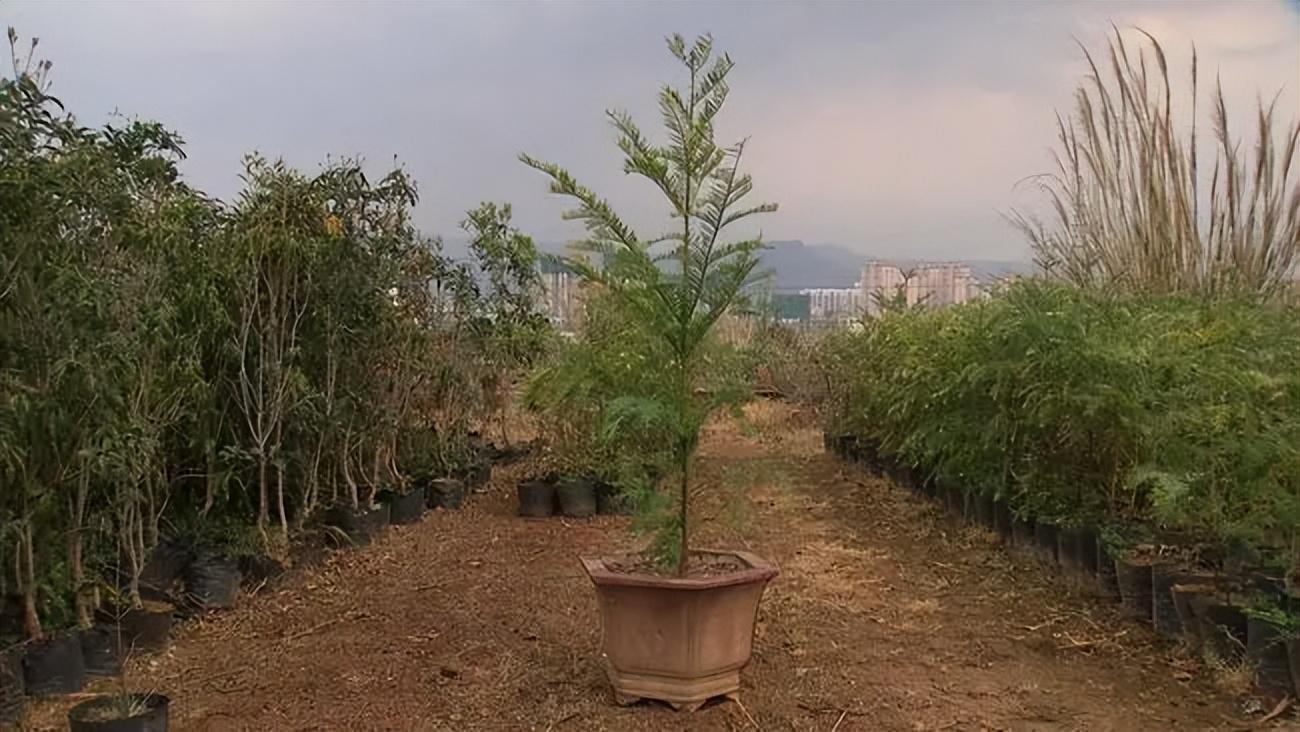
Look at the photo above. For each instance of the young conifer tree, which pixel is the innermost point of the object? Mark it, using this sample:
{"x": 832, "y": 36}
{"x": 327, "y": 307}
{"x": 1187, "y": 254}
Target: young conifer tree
{"x": 677, "y": 284}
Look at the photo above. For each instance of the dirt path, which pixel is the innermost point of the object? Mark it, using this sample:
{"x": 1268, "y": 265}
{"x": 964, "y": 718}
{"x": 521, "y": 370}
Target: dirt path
{"x": 884, "y": 617}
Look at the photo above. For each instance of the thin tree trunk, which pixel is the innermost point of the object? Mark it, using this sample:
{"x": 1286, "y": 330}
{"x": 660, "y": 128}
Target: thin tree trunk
{"x": 263, "y": 506}
{"x": 685, "y": 513}
{"x": 210, "y": 477}
{"x": 75, "y": 543}
{"x": 27, "y": 555}
{"x": 279, "y": 500}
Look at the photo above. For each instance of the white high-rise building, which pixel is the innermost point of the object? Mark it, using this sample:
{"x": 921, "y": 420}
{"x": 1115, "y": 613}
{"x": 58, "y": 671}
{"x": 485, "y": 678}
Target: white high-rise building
{"x": 834, "y": 303}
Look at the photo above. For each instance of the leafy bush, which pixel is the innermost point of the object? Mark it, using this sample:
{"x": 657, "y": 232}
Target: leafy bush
{"x": 167, "y": 359}
{"x": 1174, "y": 411}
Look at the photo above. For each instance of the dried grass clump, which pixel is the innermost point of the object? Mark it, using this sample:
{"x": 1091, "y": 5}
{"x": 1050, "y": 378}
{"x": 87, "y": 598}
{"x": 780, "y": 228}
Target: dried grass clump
{"x": 1128, "y": 209}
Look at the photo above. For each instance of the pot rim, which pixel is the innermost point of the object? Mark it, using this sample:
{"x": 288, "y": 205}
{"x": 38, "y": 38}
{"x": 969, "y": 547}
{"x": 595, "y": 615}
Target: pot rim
{"x": 759, "y": 570}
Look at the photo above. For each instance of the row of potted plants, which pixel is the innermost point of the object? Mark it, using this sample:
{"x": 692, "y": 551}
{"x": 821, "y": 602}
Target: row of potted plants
{"x": 180, "y": 580}
{"x": 175, "y": 364}
{"x": 1210, "y": 598}
{"x": 571, "y": 496}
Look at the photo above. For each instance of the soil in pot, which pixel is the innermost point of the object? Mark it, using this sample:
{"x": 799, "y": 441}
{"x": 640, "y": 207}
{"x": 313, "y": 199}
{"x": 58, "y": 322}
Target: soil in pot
{"x": 1134, "y": 579}
{"x": 1223, "y": 627}
{"x": 54, "y": 665}
{"x": 102, "y": 648}
{"x": 407, "y": 508}
{"x": 610, "y": 501}
{"x": 212, "y": 582}
{"x": 118, "y": 713}
{"x": 446, "y": 493}
{"x": 1267, "y": 653}
{"x": 1107, "y": 579}
{"x": 1045, "y": 544}
{"x": 1003, "y": 519}
{"x": 577, "y": 497}
{"x": 11, "y": 685}
{"x": 536, "y": 498}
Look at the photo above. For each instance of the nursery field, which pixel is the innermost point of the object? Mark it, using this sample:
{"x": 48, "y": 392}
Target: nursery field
{"x": 886, "y": 615}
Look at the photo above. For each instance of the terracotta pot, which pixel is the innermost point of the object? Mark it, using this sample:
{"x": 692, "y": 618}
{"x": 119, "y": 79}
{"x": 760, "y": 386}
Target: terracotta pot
{"x": 679, "y": 640}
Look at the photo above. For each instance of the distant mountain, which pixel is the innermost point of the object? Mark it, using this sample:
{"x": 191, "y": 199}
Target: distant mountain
{"x": 799, "y": 266}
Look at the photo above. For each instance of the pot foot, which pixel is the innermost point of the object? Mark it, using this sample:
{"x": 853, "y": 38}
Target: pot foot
{"x": 682, "y": 694}
{"x": 625, "y": 700}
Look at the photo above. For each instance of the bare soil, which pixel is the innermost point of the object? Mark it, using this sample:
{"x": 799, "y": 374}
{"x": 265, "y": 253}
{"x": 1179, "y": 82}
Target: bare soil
{"x": 697, "y": 565}
{"x": 886, "y": 616}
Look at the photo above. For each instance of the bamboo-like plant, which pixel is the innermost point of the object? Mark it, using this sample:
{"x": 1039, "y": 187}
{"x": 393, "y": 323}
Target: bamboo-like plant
{"x": 1127, "y": 199}
{"x": 678, "y": 291}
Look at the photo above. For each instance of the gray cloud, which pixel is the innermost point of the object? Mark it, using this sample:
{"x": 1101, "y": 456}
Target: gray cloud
{"x": 890, "y": 128}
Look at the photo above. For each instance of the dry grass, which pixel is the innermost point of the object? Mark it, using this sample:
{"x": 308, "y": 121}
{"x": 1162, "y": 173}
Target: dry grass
{"x": 1233, "y": 678}
{"x": 1128, "y": 204}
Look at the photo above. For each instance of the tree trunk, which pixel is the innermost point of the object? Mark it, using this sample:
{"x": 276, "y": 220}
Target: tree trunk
{"x": 210, "y": 477}
{"x": 279, "y": 500}
{"x": 683, "y": 559}
{"x": 27, "y": 578}
{"x": 263, "y": 505}
{"x": 75, "y": 543}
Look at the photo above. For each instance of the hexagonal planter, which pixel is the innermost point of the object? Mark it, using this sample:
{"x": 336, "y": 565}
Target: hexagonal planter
{"x": 679, "y": 640}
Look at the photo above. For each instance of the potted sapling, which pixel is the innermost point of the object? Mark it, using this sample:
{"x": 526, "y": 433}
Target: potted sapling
{"x": 678, "y": 620}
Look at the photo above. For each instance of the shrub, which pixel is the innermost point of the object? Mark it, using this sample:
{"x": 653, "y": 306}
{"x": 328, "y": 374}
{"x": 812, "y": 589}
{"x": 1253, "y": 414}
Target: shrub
{"x": 1169, "y": 410}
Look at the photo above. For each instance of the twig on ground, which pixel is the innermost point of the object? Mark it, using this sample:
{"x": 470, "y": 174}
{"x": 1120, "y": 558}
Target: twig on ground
{"x": 560, "y": 721}
{"x": 321, "y": 626}
{"x": 224, "y": 674}
{"x": 1278, "y": 710}
{"x": 843, "y": 714}
{"x": 748, "y": 716}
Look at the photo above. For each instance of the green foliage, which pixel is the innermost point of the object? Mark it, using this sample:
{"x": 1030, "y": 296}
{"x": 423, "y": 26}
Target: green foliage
{"x": 171, "y": 362}
{"x": 512, "y": 333}
{"x": 1166, "y": 411}
{"x": 673, "y": 287}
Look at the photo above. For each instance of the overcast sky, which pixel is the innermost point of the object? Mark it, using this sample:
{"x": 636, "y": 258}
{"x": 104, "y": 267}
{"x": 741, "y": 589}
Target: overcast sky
{"x": 894, "y": 129}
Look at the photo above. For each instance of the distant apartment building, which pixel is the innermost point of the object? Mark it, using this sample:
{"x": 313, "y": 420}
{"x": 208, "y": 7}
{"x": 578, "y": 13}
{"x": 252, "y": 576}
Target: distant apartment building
{"x": 834, "y": 303}
{"x": 931, "y": 284}
{"x": 562, "y": 296}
